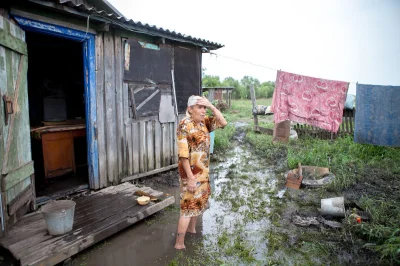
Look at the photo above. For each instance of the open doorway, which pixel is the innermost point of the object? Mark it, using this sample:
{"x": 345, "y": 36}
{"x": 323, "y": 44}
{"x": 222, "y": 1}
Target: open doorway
{"x": 57, "y": 115}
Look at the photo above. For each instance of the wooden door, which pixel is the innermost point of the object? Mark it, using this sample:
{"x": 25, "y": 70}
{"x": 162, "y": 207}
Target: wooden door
{"x": 17, "y": 172}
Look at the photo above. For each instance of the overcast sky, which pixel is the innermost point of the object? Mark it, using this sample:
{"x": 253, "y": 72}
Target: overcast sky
{"x": 348, "y": 40}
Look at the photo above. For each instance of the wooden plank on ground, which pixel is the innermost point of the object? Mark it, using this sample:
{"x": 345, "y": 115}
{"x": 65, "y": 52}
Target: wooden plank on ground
{"x": 79, "y": 226}
{"x": 100, "y": 204}
{"x": 65, "y": 248}
{"x": 110, "y": 108}
{"x": 122, "y": 196}
{"x": 17, "y": 248}
{"x": 94, "y": 196}
{"x": 98, "y": 214}
{"x": 18, "y": 234}
{"x": 101, "y": 141}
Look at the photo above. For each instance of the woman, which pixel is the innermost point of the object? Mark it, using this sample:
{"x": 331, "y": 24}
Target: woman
{"x": 193, "y": 150}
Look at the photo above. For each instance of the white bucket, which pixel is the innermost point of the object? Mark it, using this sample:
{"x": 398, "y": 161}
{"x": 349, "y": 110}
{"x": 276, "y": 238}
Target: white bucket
{"x": 333, "y": 207}
{"x": 59, "y": 216}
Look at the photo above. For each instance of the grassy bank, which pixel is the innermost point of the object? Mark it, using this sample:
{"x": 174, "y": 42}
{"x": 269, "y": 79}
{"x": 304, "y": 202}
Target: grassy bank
{"x": 368, "y": 175}
{"x": 239, "y": 112}
{"x": 370, "y": 172}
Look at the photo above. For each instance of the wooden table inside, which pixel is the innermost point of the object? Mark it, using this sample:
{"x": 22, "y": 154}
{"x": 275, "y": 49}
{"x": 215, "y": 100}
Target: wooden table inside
{"x": 58, "y": 147}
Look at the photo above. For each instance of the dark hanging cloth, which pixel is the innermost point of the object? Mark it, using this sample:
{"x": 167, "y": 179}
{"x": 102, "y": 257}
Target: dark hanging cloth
{"x": 377, "y": 118}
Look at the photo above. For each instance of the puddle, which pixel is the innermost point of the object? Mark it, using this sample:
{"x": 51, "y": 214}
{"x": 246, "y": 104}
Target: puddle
{"x": 233, "y": 230}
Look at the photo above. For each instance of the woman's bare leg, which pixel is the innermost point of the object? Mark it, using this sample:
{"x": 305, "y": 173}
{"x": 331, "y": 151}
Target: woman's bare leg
{"x": 192, "y": 225}
{"x": 182, "y": 228}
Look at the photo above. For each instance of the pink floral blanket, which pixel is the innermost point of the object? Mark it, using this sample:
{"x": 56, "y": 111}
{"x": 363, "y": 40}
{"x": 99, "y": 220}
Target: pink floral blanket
{"x": 313, "y": 101}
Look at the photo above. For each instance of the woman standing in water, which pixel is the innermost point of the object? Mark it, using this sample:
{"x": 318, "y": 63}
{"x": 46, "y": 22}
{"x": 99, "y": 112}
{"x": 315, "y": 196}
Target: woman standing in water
{"x": 193, "y": 135}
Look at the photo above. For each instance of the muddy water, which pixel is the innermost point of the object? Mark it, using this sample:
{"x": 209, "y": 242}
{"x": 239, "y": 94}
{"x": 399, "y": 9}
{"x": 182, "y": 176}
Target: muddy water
{"x": 233, "y": 230}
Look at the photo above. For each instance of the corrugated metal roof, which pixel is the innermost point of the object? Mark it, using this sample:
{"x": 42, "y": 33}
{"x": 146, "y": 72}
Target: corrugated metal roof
{"x": 143, "y": 27}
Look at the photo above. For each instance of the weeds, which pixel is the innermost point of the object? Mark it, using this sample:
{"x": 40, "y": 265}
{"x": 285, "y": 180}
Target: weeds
{"x": 346, "y": 159}
{"x": 263, "y": 145}
{"x": 223, "y": 138}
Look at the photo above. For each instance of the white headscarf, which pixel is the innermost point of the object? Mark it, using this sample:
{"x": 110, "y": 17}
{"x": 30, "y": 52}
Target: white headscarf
{"x": 192, "y": 101}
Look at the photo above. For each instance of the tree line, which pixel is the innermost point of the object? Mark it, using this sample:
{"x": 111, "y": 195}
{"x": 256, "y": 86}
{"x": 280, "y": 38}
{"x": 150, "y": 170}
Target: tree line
{"x": 242, "y": 87}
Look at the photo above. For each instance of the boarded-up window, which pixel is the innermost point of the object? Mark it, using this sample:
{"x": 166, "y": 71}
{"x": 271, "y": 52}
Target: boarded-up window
{"x": 144, "y": 100}
{"x": 147, "y": 62}
{"x": 187, "y": 63}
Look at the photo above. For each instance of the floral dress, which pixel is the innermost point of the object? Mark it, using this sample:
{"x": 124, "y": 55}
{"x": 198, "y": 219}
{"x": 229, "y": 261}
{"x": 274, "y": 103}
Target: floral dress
{"x": 194, "y": 144}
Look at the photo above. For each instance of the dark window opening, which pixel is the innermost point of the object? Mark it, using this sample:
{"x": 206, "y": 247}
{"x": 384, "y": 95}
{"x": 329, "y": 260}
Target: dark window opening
{"x": 146, "y": 64}
{"x": 144, "y": 100}
{"x": 187, "y": 63}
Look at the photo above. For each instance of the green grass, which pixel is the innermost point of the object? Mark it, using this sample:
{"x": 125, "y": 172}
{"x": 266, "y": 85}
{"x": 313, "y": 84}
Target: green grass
{"x": 241, "y": 110}
{"x": 263, "y": 146}
{"x": 345, "y": 158}
{"x": 223, "y": 137}
{"x": 375, "y": 169}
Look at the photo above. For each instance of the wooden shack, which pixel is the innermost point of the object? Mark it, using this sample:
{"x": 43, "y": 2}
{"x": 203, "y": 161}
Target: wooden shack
{"x": 219, "y": 93}
{"x": 89, "y": 99}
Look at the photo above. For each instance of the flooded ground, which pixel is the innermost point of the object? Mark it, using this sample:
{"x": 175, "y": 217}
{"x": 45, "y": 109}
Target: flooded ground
{"x": 233, "y": 230}
{"x": 249, "y": 221}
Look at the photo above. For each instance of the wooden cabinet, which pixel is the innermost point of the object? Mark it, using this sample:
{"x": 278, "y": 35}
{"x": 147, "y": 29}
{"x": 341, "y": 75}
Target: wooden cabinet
{"x": 58, "y": 148}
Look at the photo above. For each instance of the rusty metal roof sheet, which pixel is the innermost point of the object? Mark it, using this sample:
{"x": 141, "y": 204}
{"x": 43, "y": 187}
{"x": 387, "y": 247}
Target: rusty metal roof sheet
{"x": 140, "y": 27}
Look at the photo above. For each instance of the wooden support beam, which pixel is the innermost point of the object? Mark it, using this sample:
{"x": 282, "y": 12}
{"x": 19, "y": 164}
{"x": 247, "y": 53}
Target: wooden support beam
{"x": 129, "y": 178}
{"x": 253, "y": 101}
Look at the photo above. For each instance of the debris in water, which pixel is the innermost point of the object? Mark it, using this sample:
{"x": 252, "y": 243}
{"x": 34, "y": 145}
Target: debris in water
{"x": 293, "y": 180}
{"x": 313, "y": 176}
{"x": 317, "y": 221}
{"x": 304, "y": 221}
{"x": 332, "y": 224}
{"x": 281, "y": 193}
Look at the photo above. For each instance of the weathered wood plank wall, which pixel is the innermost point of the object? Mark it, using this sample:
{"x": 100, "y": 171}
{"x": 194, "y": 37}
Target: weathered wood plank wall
{"x": 128, "y": 148}
{"x": 19, "y": 153}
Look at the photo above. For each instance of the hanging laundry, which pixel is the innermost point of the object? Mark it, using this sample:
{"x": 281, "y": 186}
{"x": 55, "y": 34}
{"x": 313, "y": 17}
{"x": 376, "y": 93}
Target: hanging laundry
{"x": 313, "y": 101}
{"x": 377, "y": 118}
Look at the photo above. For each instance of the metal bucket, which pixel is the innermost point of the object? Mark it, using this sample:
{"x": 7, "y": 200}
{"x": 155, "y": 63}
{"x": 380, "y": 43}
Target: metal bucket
{"x": 333, "y": 207}
{"x": 59, "y": 216}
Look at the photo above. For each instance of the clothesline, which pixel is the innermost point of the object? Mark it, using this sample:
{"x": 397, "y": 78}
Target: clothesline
{"x": 254, "y": 64}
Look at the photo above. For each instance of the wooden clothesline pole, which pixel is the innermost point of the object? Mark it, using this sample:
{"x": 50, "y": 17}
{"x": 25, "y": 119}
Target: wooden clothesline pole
{"x": 253, "y": 101}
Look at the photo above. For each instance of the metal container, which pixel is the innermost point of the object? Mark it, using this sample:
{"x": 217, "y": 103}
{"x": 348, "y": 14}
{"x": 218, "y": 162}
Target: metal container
{"x": 59, "y": 216}
{"x": 333, "y": 207}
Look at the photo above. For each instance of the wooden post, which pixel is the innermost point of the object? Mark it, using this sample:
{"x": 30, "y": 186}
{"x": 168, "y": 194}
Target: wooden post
{"x": 253, "y": 101}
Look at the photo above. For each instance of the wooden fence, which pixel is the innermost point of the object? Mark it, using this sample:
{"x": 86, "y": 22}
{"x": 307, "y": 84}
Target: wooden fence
{"x": 346, "y": 128}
